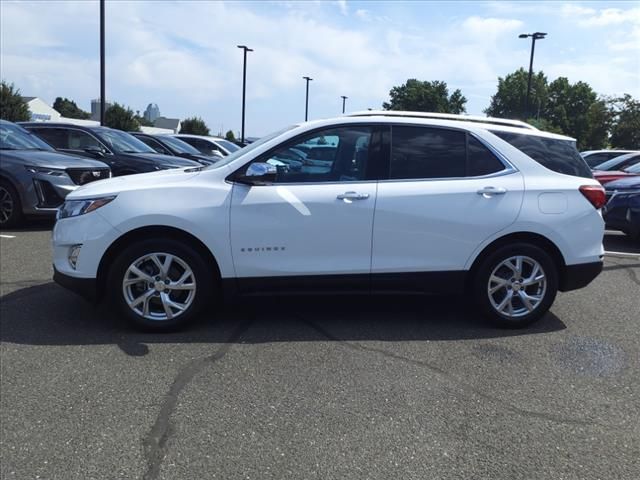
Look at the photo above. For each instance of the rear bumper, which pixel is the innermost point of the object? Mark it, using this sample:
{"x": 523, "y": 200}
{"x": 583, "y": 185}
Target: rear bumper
{"x": 85, "y": 287}
{"x": 579, "y": 276}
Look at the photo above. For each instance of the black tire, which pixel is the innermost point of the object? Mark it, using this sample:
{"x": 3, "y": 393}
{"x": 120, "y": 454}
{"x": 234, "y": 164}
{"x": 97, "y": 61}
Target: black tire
{"x": 522, "y": 316}
{"x": 203, "y": 274}
{"x": 11, "y": 197}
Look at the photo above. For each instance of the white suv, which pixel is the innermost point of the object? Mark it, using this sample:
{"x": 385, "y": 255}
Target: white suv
{"x": 375, "y": 202}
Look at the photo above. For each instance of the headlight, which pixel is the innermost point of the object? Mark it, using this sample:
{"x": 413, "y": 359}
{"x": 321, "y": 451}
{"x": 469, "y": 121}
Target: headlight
{"x": 56, "y": 172}
{"x": 73, "y": 208}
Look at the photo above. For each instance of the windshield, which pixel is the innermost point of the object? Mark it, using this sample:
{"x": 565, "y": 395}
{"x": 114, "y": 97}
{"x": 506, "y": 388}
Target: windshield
{"x": 122, "y": 142}
{"x": 614, "y": 162}
{"x": 178, "y": 145}
{"x": 227, "y": 145}
{"x": 242, "y": 151}
{"x": 13, "y": 137}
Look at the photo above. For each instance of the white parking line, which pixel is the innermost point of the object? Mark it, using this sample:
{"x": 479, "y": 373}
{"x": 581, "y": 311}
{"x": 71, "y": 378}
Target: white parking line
{"x": 623, "y": 254}
{"x": 7, "y": 236}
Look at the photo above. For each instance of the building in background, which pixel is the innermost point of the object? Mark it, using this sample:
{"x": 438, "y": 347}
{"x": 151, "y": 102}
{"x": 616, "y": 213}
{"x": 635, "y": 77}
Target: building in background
{"x": 168, "y": 123}
{"x": 40, "y": 111}
{"x": 152, "y": 113}
{"x": 95, "y": 108}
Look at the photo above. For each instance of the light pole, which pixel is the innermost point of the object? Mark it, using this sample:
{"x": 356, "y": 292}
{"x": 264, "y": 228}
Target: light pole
{"x": 306, "y": 103}
{"x": 244, "y": 85}
{"x": 534, "y": 36}
{"x": 102, "y": 83}
{"x": 343, "y": 100}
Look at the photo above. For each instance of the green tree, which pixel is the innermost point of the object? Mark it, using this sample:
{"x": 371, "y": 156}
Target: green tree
{"x": 568, "y": 108}
{"x": 544, "y": 124}
{"x": 626, "y": 127}
{"x": 122, "y": 118}
{"x": 230, "y": 136}
{"x": 194, "y": 126}
{"x": 599, "y": 122}
{"x": 12, "y": 107}
{"x": 143, "y": 121}
{"x": 425, "y": 96}
{"x": 68, "y": 108}
{"x": 510, "y": 99}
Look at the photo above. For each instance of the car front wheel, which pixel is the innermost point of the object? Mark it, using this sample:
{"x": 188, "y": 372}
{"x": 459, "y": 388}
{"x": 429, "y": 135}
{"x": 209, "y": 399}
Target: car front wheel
{"x": 160, "y": 285}
{"x": 516, "y": 285}
{"x": 10, "y": 208}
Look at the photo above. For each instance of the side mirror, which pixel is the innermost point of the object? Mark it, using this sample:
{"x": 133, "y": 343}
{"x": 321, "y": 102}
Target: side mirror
{"x": 95, "y": 151}
{"x": 258, "y": 174}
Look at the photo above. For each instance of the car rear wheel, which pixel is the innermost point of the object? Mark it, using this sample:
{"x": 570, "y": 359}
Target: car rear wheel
{"x": 160, "y": 285}
{"x": 10, "y": 207}
{"x": 516, "y": 285}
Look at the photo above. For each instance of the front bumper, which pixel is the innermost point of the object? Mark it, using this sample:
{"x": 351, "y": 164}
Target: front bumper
{"x": 85, "y": 287}
{"x": 579, "y": 276}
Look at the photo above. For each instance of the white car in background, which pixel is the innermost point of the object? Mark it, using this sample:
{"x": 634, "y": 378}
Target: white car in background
{"x": 209, "y": 145}
{"x": 501, "y": 214}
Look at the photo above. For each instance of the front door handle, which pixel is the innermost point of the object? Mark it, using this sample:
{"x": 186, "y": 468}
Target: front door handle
{"x": 490, "y": 191}
{"x": 350, "y": 196}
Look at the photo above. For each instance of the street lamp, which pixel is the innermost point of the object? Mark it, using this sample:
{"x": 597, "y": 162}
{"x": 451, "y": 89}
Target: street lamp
{"x": 244, "y": 85}
{"x": 534, "y": 36}
{"x": 343, "y": 100}
{"x": 102, "y": 83}
{"x": 306, "y": 103}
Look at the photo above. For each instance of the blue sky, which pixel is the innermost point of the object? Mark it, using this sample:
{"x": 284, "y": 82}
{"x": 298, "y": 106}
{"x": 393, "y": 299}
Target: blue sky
{"x": 182, "y": 55}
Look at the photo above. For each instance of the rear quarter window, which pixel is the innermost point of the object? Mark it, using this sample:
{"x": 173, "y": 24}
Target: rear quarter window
{"x": 561, "y": 156}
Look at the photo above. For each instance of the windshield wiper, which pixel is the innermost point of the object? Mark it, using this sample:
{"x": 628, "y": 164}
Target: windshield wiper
{"x": 9, "y": 148}
{"x": 132, "y": 151}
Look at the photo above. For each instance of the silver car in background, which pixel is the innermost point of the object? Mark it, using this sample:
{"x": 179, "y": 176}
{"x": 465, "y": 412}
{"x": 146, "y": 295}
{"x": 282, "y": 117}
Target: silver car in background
{"x": 35, "y": 178}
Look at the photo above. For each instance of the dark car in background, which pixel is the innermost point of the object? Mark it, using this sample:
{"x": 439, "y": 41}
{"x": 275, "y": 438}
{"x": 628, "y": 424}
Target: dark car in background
{"x": 168, "y": 145}
{"x": 34, "y": 178}
{"x": 209, "y": 145}
{"x": 124, "y": 153}
{"x": 596, "y": 157}
{"x": 606, "y": 177}
{"x": 619, "y": 163}
{"x": 622, "y": 211}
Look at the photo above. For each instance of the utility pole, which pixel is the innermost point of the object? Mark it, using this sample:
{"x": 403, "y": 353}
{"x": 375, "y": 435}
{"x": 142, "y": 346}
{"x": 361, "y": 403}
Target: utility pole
{"x": 534, "y": 36}
{"x": 306, "y": 103}
{"x": 102, "y": 74}
{"x": 244, "y": 85}
{"x": 343, "y": 100}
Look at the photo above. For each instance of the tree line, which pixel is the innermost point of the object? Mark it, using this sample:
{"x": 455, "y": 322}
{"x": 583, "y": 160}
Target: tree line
{"x": 576, "y": 110}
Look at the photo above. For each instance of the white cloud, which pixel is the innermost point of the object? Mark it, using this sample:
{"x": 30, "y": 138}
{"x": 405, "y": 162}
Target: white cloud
{"x": 491, "y": 26}
{"x": 363, "y": 14}
{"x": 573, "y": 10}
{"x": 183, "y": 55}
{"x": 611, "y": 16}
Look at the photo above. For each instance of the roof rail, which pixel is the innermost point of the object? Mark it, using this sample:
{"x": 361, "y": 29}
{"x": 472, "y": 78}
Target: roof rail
{"x": 444, "y": 116}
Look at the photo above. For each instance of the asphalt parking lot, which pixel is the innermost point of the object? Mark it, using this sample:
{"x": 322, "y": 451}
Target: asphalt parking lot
{"x": 355, "y": 388}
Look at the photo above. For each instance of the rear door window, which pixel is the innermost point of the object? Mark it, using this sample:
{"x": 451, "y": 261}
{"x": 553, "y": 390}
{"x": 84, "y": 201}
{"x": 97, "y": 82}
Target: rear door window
{"x": 561, "y": 156}
{"x": 58, "y": 138}
{"x": 419, "y": 152}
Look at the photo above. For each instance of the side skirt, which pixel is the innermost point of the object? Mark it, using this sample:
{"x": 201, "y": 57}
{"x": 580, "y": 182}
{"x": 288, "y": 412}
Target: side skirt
{"x": 429, "y": 283}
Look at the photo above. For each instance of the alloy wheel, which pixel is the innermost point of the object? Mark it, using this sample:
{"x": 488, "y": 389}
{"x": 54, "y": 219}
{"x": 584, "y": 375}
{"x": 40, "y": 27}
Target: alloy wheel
{"x": 517, "y": 286}
{"x": 159, "y": 286}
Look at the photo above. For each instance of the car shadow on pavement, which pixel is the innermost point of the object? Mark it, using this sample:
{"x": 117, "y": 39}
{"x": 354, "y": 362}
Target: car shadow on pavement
{"x": 619, "y": 242}
{"x": 47, "y": 314}
{"x": 31, "y": 225}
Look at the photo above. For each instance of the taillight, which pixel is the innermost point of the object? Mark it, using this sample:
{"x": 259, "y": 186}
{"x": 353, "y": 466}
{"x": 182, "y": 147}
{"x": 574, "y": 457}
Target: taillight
{"x": 595, "y": 194}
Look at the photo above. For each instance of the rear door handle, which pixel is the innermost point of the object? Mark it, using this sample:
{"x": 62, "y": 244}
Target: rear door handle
{"x": 349, "y": 196}
{"x": 490, "y": 191}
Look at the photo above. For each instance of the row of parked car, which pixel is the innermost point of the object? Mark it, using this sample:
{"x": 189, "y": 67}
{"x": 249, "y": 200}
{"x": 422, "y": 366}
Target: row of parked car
{"x": 619, "y": 172}
{"x": 43, "y": 162}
